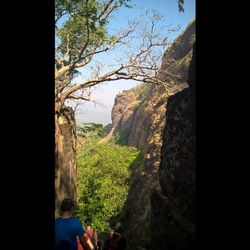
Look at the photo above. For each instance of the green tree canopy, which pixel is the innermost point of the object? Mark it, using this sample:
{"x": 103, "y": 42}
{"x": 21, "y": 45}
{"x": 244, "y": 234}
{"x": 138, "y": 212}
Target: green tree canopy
{"x": 104, "y": 172}
{"x": 91, "y": 128}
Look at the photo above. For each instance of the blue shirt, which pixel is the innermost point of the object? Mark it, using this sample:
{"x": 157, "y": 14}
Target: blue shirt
{"x": 68, "y": 229}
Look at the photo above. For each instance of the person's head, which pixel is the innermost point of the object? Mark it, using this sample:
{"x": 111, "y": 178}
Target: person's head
{"x": 67, "y": 205}
{"x": 88, "y": 222}
{"x": 118, "y": 227}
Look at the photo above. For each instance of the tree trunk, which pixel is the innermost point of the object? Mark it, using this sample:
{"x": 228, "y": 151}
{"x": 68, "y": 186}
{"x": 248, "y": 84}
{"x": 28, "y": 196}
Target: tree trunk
{"x": 60, "y": 72}
{"x": 65, "y": 159}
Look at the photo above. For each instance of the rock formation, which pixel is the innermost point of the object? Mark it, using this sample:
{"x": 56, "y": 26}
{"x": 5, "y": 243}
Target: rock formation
{"x": 173, "y": 205}
{"x": 143, "y": 121}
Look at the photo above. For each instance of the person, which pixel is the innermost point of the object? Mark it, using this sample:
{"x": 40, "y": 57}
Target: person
{"x": 116, "y": 240}
{"x": 68, "y": 228}
{"x": 90, "y": 234}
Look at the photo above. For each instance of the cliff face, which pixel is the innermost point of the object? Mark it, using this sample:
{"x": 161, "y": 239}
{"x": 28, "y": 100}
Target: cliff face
{"x": 176, "y": 60}
{"x": 144, "y": 121}
{"x": 124, "y": 110}
{"x": 65, "y": 169}
{"x": 173, "y": 205}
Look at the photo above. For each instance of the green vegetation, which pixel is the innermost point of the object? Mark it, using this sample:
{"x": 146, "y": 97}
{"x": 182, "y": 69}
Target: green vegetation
{"x": 121, "y": 137}
{"x": 143, "y": 90}
{"x": 134, "y": 105}
{"x": 91, "y": 129}
{"x": 104, "y": 174}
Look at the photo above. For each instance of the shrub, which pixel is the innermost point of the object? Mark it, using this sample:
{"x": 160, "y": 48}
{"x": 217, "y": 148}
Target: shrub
{"x": 104, "y": 173}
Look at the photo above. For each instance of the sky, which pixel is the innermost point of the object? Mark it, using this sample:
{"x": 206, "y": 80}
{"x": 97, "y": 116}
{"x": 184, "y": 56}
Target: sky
{"x": 104, "y": 95}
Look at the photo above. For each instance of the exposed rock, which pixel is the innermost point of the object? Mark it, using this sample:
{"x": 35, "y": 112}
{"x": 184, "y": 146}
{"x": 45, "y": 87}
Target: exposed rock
{"x": 176, "y": 60}
{"x": 173, "y": 208}
{"x": 146, "y": 135}
{"x": 108, "y": 128}
{"x": 65, "y": 170}
{"x": 123, "y": 110}
{"x": 146, "y": 122}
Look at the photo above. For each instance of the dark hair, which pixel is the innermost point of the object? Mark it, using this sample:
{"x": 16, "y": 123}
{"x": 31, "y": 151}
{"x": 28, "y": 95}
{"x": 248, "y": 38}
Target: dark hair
{"x": 88, "y": 222}
{"x": 67, "y": 204}
{"x": 118, "y": 227}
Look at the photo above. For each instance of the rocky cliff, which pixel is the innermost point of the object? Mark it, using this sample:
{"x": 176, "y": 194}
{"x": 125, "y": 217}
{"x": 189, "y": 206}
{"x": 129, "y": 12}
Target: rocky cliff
{"x": 176, "y": 60}
{"x": 173, "y": 205}
{"x": 143, "y": 120}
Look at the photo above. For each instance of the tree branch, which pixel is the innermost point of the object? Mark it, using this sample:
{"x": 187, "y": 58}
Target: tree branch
{"x": 105, "y": 9}
{"x": 87, "y": 38}
{"x": 78, "y": 98}
{"x": 90, "y": 55}
{"x": 60, "y": 15}
{"x": 140, "y": 63}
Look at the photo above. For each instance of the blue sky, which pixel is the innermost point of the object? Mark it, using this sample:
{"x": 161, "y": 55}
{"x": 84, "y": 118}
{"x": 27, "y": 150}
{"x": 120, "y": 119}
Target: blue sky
{"x": 105, "y": 93}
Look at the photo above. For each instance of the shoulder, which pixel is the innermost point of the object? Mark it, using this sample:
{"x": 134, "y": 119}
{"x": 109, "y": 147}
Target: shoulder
{"x": 58, "y": 220}
{"x": 89, "y": 231}
{"x": 75, "y": 220}
{"x": 85, "y": 236}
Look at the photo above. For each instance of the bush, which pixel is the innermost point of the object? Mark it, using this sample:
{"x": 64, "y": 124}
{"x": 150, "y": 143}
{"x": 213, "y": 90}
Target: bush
{"x": 104, "y": 173}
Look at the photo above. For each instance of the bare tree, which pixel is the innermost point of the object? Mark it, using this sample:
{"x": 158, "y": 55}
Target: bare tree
{"x": 138, "y": 62}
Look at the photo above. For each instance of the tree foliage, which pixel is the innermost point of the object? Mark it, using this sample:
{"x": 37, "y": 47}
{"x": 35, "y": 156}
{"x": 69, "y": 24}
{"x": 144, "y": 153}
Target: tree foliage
{"x": 104, "y": 172}
{"x": 181, "y": 5}
{"x": 84, "y": 27}
{"x": 121, "y": 137}
{"x": 87, "y": 129}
